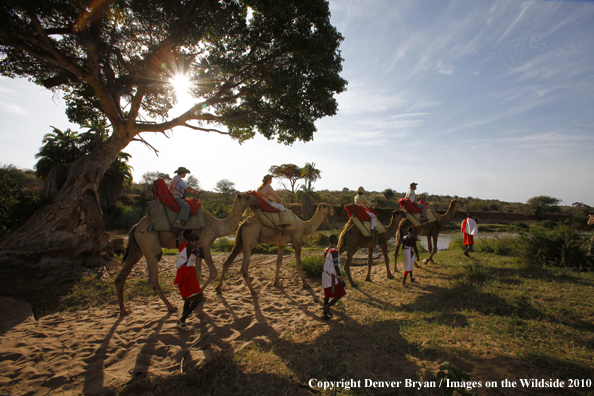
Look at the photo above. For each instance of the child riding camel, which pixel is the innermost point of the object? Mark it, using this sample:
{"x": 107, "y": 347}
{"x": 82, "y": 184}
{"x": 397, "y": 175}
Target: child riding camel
{"x": 177, "y": 188}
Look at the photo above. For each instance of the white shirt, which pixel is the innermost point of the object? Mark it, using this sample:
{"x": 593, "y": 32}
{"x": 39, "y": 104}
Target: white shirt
{"x": 411, "y": 195}
{"x": 329, "y": 269}
{"x": 182, "y": 258}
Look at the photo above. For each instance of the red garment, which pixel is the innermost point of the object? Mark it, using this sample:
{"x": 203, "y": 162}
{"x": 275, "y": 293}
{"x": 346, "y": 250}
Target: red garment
{"x": 162, "y": 193}
{"x": 359, "y": 211}
{"x": 187, "y": 281}
{"x": 338, "y": 291}
{"x": 407, "y": 205}
{"x": 264, "y": 204}
{"x": 467, "y": 239}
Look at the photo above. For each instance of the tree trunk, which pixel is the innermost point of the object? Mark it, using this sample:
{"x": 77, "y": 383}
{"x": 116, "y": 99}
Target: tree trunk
{"x": 71, "y": 226}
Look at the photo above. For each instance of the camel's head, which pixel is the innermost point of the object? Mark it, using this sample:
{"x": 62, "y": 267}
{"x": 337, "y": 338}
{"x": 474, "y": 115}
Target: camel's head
{"x": 591, "y": 219}
{"x": 245, "y": 200}
{"x": 455, "y": 204}
{"x": 397, "y": 215}
{"x": 326, "y": 209}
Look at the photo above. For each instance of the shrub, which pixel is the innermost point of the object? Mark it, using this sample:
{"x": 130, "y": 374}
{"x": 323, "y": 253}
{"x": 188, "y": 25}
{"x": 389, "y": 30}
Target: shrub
{"x": 121, "y": 216}
{"x": 561, "y": 247}
{"x": 501, "y": 246}
{"x": 521, "y": 226}
{"x": 317, "y": 239}
{"x": 313, "y": 265}
{"x": 548, "y": 223}
{"x": 222, "y": 245}
{"x": 474, "y": 274}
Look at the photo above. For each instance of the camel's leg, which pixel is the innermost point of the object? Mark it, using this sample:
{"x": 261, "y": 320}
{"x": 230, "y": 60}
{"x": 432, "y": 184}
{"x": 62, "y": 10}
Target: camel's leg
{"x": 369, "y": 264}
{"x": 237, "y": 248}
{"x": 396, "y": 251}
{"x": 384, "y": 247}
{"x": 279, "y": 262}
{"x": 298, "y": 265}
{"x": 212, "y": 270}
{"x": 245, "y": 270}
{"x": 134, "y": 254}
{"x": 151, "y": 247}
{"x": 347, "y": 266}
{"x": 432, "y": 249}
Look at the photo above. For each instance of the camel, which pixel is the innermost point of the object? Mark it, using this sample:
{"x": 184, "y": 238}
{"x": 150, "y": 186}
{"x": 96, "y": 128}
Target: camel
{"x": 143, "y": 241}
{"x": 351, "y": 239}
{"x": 430, "y": 230}
{"x": 252, "y": 231}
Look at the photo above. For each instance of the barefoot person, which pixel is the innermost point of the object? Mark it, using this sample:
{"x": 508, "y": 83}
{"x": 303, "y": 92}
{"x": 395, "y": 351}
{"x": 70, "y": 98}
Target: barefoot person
{"x": 361, "y": 200}
{"x": 177, "y": 188}
{"x": 469, "y": 229}
{"x": 267, "y": 192}
{"x": 410, "y": 253}
{"x": 186, "y": 278}
{"x": 332, "y": 281}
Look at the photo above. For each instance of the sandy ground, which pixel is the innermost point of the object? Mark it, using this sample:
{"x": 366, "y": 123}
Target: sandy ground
{"x": 96, "y": 351}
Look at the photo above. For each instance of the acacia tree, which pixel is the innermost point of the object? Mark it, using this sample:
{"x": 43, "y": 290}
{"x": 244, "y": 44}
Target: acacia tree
{"x": 291, "y": 172}
{"x": 543, "y": 204}
{"x": 257, "y": 66}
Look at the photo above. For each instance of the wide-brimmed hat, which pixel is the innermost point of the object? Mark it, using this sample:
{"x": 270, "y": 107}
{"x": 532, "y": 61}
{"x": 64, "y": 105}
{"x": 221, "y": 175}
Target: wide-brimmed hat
{"x": 360, "y": 190}
{"x": 181, "y": 170}
{"x": 414, "y": 184}
{"x": 266, "y": 178}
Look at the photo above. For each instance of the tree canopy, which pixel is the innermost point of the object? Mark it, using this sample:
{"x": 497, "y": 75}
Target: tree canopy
{"x": 269, "y": 66}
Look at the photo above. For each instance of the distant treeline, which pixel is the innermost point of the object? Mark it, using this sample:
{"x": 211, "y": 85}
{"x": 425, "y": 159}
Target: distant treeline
{"x": 21, "y": 193}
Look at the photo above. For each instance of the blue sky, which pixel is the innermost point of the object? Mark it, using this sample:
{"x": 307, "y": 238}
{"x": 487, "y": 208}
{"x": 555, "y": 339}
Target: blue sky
{"x": 482, "y": 98}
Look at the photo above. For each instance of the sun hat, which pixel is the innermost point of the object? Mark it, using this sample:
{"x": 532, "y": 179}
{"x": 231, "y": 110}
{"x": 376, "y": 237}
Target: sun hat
{"x": 181, "y": 170}
{"x": 360, "y": 190}
{"x": 414, "y": 184}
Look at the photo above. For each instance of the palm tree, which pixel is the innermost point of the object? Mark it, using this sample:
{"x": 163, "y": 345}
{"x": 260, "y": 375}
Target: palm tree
{"x": 65, "y": 147}
{"x": 306, "y": 193}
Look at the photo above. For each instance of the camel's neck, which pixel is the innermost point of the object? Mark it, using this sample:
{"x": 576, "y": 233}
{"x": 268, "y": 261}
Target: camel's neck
{"x": 314, "y": 223}
{"x": 448, "y": 216}
{"x": 227, "y": 225}
{"x": 393, "y": 227}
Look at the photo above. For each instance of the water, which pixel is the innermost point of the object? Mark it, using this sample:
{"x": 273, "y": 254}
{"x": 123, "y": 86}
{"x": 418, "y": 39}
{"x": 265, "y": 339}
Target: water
{"x": 444, "y": 239}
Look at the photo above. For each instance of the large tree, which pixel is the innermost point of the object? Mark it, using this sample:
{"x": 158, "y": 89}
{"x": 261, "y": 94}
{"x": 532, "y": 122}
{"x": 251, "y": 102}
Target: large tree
{"x": 291, "y": 172}
{"x": 256, "y": 66}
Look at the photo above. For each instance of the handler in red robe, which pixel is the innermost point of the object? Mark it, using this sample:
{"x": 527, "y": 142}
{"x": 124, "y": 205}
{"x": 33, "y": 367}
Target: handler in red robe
{"x": 186, "y": 279}
{"x": 469, "y": 230}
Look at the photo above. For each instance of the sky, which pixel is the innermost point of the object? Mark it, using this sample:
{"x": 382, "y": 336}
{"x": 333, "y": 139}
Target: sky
{"x": 492, "y": 99}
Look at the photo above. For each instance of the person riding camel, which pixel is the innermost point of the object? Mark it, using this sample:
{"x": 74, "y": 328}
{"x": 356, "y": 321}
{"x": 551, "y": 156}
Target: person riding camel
{"x": 267, "y": 192}
{"x": 361, "y": 200}
{"x": 177, "y": 187}
{"x": 410, "y": 195}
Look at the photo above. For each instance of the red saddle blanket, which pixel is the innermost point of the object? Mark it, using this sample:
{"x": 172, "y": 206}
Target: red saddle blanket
{"x": 359, "y": 211}
{"x": 264, "y": 204}
{"x": 407, "y": 205}
{"x": 162, "y": 193}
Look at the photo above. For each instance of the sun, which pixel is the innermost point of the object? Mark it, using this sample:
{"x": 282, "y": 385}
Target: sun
{"x": 181, "y": 83}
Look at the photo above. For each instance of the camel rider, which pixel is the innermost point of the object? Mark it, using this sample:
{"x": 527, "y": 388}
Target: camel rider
{"x": 361, "y": 200}
{"x": 267, "y": 192}
{"x": 410, "y": 195}
{"x": 177, "y": 187}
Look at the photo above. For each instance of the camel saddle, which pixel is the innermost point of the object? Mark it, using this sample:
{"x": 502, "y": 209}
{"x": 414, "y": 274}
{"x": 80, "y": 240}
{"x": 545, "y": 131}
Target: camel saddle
{"x": 365, "y": 226}
{"x": 272, "y": 219}
{"x": 162, "y": 217}
{"x": 415, "y": 218}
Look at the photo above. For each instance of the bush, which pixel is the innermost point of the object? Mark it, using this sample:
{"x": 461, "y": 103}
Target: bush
{"x": 313, "y": 266}
{"x": 120, "y": 216}
{"x": 223, "y": 245}
{"x": 264, "y": 248}
{"x": 548, "y": 223}
{"x": 501, "y": 246}
{"x": 561, "y": 247}
{"x": 521, "y": 226}
{"x": 317, "y": 239}
{"x": 20, "y": 195}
